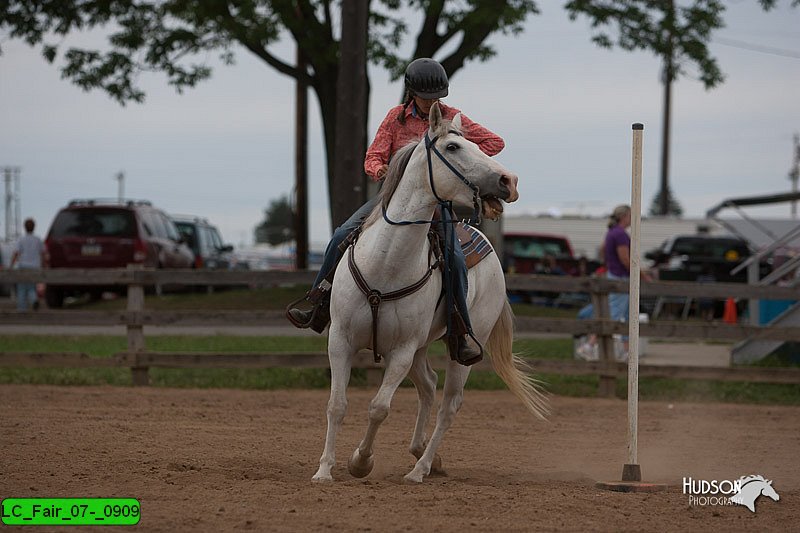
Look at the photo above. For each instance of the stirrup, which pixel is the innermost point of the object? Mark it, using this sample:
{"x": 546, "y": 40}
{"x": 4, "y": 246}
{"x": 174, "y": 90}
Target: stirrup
{"x": 318, "y": 321}
{"x": 319, "y": 315}
{"x": 456, "y": 344}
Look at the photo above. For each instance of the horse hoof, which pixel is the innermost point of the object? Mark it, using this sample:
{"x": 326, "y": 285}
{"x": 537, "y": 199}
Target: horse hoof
{"x": 322, "y": 479}
{"x": 436, "y": 466}
{"x": 360, "y": 466}
{"x": 412, "y": 479}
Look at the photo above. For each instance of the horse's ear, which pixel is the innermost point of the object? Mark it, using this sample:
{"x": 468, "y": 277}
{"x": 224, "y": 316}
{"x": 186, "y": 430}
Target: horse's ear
{"x": 435, "y": 117}
{"x": 456, "y": 123}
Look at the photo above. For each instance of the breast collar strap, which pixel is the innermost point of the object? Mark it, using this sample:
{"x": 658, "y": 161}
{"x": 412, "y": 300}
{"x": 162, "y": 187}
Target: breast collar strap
{"x": 375, "y": 297}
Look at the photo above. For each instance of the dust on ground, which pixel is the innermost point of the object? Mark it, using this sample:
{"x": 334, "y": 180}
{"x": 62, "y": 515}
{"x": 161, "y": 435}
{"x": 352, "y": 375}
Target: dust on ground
{"x": 223, "y": 460}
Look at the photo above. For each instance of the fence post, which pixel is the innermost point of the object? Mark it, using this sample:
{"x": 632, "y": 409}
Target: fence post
{"x": 608, "y": 375}
{"x": 136, "y": 342}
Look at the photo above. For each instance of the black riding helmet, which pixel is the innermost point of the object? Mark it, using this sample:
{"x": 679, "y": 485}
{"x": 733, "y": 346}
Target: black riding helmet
{"x": 427, "y": 79}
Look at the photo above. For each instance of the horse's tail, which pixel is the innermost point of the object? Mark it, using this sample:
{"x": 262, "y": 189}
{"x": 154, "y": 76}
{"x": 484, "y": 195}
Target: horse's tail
{"x": 512, "y": 369}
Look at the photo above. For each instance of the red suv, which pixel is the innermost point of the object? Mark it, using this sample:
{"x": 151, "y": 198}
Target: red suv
{"x": 111, "y": 234}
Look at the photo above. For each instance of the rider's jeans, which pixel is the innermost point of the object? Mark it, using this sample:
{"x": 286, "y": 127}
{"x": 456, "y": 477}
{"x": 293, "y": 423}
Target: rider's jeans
{"x": 332, "y": 256}
{"x": 332, "y": 253}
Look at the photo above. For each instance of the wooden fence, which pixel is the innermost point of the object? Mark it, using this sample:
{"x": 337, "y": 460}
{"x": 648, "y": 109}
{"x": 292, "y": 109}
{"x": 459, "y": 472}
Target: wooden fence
{"x": 139, "y": 359}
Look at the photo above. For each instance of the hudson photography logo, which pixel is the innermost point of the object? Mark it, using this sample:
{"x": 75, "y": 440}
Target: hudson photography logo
{"x": 743, "y": 491}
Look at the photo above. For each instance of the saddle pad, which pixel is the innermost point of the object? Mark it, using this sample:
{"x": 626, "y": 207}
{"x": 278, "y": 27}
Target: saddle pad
{"x": 474, "y": 245}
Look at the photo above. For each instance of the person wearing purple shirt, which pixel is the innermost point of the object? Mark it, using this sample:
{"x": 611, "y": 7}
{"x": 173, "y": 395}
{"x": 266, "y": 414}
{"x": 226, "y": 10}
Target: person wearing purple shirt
{"x": 617, "y": 255}
{"x": 616, "y": 250}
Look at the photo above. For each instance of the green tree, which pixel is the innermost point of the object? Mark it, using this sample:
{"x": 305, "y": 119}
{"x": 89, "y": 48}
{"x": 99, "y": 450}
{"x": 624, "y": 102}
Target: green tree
{"x": 677, "y": 33}
{"x": 673, "y": 206}
{"x": 663, "y": 27}
{"x": 277, "y": 226}
{"x": 169, "y": 36}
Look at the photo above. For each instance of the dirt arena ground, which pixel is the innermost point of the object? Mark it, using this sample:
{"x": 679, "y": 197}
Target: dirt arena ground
{"x": 221, "y": 460}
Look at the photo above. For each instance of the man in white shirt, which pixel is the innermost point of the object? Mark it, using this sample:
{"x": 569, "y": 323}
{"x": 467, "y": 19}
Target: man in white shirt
{"x": 29, "y": 253}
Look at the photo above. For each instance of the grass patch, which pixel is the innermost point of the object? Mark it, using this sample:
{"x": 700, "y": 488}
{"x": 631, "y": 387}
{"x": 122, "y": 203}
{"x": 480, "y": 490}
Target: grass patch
{"x": 718, "y": 391}
{"x": 787, "y": 355}
{"x": 258, "y": 299}
{"x": 226, "y": 300}
{"x": 541, "y": 311}
{"x": 288, "y": 378}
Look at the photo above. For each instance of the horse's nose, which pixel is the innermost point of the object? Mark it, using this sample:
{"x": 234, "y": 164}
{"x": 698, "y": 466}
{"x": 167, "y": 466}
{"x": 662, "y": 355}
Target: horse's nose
{"x": 509, "y": 182}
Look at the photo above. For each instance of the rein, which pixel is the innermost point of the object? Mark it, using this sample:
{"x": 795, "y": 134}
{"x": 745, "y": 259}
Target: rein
{"x": 430, "y": 146}
{"x": 375, "y": 297}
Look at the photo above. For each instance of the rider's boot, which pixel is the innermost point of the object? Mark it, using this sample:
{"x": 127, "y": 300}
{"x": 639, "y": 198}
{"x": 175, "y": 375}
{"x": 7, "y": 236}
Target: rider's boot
{"x": 463, "y": 348}
{"x": 467, "y": 350}
{"x": 319, "y": 315}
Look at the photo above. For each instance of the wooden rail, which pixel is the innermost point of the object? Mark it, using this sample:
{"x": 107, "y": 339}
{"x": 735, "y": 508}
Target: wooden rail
{"x": 136, "y": 318}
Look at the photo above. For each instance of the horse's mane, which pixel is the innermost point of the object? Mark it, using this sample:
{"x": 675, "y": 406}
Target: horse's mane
{"x": 397, "y": 167}
{"x": 744, "y": 480}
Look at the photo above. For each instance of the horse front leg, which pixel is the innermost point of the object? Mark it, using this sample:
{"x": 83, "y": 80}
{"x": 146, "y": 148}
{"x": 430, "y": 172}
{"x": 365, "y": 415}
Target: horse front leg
{"x": 398, "y": 363}
{"x": 340, "y": 355}
{"x": 452, "y": 399}
{"x": 424, "y": 378}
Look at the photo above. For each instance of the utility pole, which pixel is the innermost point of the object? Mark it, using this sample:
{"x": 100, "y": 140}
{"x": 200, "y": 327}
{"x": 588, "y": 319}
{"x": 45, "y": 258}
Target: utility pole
{"x": 794, "y": 173}
{"x": 668, "y": 77}
{"x": 11, "y": 175}
{"x": 301, "y": 168}
{"x": 120, "y": 177}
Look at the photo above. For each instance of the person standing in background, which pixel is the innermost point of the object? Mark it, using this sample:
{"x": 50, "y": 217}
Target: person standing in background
{"x": 617, "y": 255}
{"x": 29, "y": 254}
{"x": 617, "y": 258}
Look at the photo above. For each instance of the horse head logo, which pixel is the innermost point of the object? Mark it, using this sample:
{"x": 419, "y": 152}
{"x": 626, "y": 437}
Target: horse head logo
{"x": 751, "y": 488}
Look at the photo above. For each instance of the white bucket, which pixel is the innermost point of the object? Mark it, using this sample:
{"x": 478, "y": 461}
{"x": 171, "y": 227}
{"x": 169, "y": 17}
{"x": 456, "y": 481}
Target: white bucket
{"x": 582, "y": 349}
{"x": 644, "y": 342}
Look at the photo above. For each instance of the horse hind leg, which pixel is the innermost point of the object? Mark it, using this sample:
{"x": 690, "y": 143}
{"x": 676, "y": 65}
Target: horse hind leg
{"x": 424, "y": 378}
{"x": 340, "y": 356}
{"x": 398, "y": 364}
{"x": 452, "y": 399}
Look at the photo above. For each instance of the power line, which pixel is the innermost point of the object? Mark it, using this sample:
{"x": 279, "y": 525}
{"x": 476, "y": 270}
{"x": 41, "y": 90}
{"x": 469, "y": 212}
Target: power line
{"x": 757, "y": 48}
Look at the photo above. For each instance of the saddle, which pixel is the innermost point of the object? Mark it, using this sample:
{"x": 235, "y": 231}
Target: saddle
{"x": 475, "y": 246}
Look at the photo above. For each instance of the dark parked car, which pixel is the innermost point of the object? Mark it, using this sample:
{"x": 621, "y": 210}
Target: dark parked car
{"x": 111, "y": 234}
{"x": 526, "y": 253}
{"x": 205, "y": 241}
{"x": 685, "y": 257}
{"x": 544, "y": 254}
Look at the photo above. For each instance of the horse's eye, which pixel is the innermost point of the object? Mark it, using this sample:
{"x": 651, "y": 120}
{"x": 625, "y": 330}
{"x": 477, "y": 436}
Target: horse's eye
{"x": 452, "y": 147}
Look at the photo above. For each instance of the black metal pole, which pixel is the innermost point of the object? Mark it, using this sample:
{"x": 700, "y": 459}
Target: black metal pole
{"x": 301, "y": 169}
{"x": 668, "y": 75}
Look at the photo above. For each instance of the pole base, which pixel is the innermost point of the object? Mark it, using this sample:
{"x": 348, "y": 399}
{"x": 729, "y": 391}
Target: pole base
{"x": 631, "y": 472}
{"x": 631, "y": 486}
{"x": 631, "y": 482}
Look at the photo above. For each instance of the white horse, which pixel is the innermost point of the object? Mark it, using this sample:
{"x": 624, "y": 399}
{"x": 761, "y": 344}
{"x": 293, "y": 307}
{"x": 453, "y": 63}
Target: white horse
{"x": 390, "y": 257}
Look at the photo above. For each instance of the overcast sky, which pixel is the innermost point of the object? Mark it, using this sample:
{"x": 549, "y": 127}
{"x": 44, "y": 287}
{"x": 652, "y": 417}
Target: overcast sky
{"x": 564, "y": 106}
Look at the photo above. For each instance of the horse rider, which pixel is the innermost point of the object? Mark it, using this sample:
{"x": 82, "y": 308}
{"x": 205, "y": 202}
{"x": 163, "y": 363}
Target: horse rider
{"x": 426, "y": 82}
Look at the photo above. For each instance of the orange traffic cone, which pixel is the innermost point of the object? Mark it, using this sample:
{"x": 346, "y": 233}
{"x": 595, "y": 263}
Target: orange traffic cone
{"x": 729, "y": 317}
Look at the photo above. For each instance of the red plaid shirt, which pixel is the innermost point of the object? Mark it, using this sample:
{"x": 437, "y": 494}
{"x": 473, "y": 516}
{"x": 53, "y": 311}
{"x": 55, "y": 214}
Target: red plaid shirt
{"x": 392, "y": 135}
